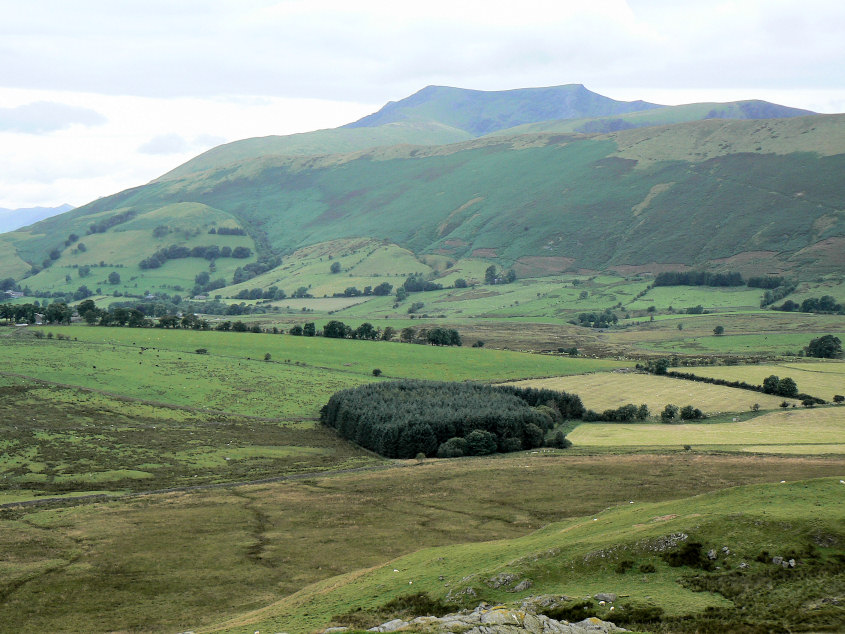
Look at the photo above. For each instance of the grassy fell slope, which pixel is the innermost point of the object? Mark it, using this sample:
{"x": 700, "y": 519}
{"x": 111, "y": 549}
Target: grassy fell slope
{"x": 580, "y": 557}
{"x": 683, "y": 195}
{"x": 664, "y": 115}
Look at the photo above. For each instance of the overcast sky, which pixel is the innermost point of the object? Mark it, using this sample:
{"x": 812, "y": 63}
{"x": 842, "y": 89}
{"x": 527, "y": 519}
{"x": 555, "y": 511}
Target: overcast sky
{"x": 100, "y": 95}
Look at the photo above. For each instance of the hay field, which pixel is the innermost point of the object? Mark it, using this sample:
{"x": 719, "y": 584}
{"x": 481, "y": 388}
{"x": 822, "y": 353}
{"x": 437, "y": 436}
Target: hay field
{"x": 606, "y": 390}
{"x": 822, "y": 378}
{"x": 805, "y": 431}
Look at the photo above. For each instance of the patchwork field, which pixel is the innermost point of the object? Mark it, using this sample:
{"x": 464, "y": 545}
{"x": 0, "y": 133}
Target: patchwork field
{"x": 808, "y": 431}
{"x": 609, "y": 390}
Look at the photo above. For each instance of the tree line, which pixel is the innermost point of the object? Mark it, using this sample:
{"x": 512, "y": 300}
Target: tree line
{"x": 402, "y": 419}
{"x": 771, "y": 385}
{"x": 176, "y": 252}
{"x": 698, "y": 278}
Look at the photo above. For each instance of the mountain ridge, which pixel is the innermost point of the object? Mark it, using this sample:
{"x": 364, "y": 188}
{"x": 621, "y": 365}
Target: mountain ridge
{"x": 695, "y": 193}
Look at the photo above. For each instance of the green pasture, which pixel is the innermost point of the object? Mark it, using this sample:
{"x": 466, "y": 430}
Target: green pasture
{"x": 237, "y": 384}
{"x": 682, "y": 297}
{"x": 349, "y": 357}
{"x": 815, "y": 431}
{"x": 771, "y": 343}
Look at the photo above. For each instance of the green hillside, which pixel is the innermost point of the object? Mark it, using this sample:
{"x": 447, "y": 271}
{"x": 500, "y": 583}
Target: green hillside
{"x": 607, "y": 552}
{"x": 758, "y": 196}
{"x": 332, "y": 141}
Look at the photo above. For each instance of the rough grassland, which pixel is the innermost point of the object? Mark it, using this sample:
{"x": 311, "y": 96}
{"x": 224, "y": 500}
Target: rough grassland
{"x": 56, "y": 440}
{"x": 817, "y": 431}
{"x": 180, "y": 561}
{"x": 823, "y": 379}
{"x": 578, "y": 557}
{"x": 608, "y": 390}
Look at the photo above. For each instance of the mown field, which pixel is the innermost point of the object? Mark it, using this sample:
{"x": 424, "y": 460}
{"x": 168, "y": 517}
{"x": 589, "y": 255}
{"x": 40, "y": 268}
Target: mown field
{"x": 609, "y": 390}
{"x": 824, "y": 379}
{"x": 813, "y": 431}
{"x": 183, "y": 561}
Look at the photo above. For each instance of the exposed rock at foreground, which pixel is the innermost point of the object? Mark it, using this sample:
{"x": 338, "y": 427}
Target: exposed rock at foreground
{"x": 494, "y": 620}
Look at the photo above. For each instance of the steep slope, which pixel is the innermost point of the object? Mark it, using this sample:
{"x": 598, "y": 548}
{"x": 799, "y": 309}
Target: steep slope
{"x": 481, "y": 112}
{"x": 684, "y": 195}
{"x": 332, "y": 141}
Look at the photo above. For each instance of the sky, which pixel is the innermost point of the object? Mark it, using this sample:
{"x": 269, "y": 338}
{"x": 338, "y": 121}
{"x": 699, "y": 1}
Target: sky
{"x": 100, "y": 95}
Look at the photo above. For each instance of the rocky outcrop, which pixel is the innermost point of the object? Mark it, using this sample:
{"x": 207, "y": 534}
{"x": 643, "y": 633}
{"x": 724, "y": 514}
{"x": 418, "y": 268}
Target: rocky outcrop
{"x": 495, "y": 620}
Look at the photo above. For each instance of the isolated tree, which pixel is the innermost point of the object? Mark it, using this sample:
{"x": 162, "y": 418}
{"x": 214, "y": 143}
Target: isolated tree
{"x": 490, "y": 274}
{"x": 719, "y": 330}
{"x": 460, "y": 283}
{"x": 335, "y": 267}
{"x": 309, "y": 329}
{"x": 824, "y": 347}
{"x": 114, "y": 277}
{"x": 510, "y": 276}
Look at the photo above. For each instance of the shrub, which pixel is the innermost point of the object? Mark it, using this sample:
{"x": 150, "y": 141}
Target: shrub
{"x": 452, "y": 448}
{"x": 201, "y": 351}
{"x": 624, "y": 566}
{"x": 376, "y": 372}
{"x": 647, "y": 568}
{"x": 691, "y": 554}
{"x": 481, "y": 443}
{"x": 669, "y": 413}
{"x": 688, "y": 412}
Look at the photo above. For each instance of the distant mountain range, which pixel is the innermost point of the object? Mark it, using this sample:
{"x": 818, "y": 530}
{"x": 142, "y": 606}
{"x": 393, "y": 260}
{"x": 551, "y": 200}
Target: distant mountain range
{"x": 544, "y": 180}
{"x": 11, "y": 219}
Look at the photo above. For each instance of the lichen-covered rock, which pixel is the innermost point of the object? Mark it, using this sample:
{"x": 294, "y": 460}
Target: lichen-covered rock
{"x": 522, "y": 585}
{"x": 497, "y": 620}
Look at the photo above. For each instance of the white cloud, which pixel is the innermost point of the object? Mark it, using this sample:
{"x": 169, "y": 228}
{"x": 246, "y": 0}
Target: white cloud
{"x": 170, "y": 79}
{"x": 44, "y": 116}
